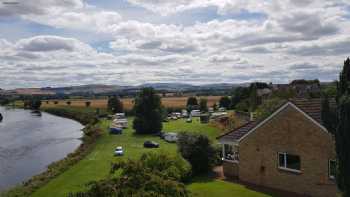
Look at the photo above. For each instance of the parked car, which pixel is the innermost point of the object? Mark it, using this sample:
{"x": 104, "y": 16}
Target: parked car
{"x": 195, "y": 113}
{"x": 170, "y": 137}
{"x": 150, "y": 144}
{"x": 120, "y": 116}
{"x": 176, "y": 114}
{"x": 222, "y": 109}
{"x": 119, "y": 151}
{"x": 115, "y": 130}
{"x": 122, "y": 122}
{"x": 184, "y": 113}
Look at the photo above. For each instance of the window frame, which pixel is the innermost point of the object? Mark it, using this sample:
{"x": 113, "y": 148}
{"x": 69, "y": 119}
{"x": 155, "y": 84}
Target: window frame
{"x": 284, "y": 167}
{"x": 332, "y": 177}
{"x": 235, "y": 153}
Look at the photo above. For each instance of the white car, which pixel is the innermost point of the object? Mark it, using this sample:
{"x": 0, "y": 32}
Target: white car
{"x": 170, "y": 137}
{"x": 119, "y": 151}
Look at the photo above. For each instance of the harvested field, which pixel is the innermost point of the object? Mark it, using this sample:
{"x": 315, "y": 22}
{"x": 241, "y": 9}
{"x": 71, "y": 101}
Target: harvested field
{"x": 175, "y": 102}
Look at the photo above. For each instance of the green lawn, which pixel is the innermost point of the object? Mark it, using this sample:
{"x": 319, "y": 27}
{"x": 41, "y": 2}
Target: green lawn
{"x": 97, "y": 164}
{"x": 205, "y": 187}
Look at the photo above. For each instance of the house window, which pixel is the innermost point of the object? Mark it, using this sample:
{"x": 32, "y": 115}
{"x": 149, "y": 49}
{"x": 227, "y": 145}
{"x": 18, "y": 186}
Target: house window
{"x": 332, "y": 169}
{"x": 231, "y": 152}
{"x": 289, "y": 162}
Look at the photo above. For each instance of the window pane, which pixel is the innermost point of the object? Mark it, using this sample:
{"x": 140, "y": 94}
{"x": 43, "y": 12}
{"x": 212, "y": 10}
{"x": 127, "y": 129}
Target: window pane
{"x": 281, "y": 160}
{"x": 231, "y": 152}
{"x": 332, "y": 169}
{"x": 293, "y": 162}
{"x": 228, "y": 152}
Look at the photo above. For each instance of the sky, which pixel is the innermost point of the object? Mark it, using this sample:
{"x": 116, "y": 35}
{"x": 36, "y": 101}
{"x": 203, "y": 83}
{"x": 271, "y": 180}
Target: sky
{"x": 130, "y": 42}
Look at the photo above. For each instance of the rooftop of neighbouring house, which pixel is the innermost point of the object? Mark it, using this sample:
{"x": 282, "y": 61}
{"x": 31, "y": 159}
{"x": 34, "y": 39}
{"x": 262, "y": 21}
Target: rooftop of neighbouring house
{"x": 311, "y": 107}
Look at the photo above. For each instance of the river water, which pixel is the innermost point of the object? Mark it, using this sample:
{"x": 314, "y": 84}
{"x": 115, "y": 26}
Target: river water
{"x": 29, "y": 142}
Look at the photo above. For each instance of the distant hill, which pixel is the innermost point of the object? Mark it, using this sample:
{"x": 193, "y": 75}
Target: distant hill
{"x": 185, "y": 87}
{"x": 169, "y": 86}
{"x": 100, "y": 88}
{"x": 93, "y": 89}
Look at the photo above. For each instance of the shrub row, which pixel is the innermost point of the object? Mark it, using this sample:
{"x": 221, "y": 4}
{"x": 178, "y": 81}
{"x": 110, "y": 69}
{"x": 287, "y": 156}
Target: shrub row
{"x": 83, "y": 116}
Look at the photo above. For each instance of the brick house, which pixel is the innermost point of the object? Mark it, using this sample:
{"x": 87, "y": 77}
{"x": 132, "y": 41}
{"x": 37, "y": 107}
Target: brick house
{"x": 290, "y": 150}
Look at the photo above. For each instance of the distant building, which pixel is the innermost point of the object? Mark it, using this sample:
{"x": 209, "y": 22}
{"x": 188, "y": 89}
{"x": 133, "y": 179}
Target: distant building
{"x": 263, "y": 94}
{"x": 305, "y": 88}
{"x": 283, "y": 87}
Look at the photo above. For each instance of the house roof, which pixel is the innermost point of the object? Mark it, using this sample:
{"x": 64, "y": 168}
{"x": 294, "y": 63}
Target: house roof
{"x": 239, "y": 132}
{"x": 310, "y": 107}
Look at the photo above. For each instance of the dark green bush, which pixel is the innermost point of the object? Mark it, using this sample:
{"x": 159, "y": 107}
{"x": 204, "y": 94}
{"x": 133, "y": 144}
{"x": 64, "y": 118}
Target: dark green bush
{"x": 198, "y": 151}
{"x": 152, "y": 175}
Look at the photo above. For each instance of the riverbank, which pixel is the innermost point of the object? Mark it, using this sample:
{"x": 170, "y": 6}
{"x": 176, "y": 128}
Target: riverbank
{"x": 91, "y": 132}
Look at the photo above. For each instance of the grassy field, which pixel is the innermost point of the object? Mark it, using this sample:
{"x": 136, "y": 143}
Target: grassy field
{"x": 175, "y": 102}
{"x": 97, "y": 164}
{"x": 206, "y": 187}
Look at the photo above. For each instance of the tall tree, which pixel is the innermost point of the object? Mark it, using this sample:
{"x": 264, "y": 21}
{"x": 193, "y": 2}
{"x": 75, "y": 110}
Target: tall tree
{"x": 344, "y": 78}
{"x": 36, "y": 104}
{"x": 33, "y": 103}
{"x": 148, "y": 112}
{"x": 253, "y": 97}
{"x": 328, "y": 115}
{"x": 343, "y": 146}
{"x": 203, "y": 104}
{"x": 192, "y": 101}
{"x": 342, "y": 135}
{"x": 225, "y": 101}
{"x": 115, "y": 105}
{"x": 239, "y": 94}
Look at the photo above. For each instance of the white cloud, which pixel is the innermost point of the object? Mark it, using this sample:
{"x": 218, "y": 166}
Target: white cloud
{"x": 71, "y": 14}
{"x": 89, "y": 20}
{"x": 46, "y": 43}
{"x": 307, "y": 38}
{"x": 37, "y": 7}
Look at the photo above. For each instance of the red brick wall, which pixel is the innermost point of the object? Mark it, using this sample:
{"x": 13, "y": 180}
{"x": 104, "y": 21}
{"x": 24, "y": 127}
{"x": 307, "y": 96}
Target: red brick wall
{"x": 293, "y": 133}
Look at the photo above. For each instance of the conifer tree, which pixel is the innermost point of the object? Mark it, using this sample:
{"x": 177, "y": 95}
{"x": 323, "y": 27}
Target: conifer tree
{"x": 328, "y": 115}
{"x": 148, "y": 112}
{"x": 342, "y": 135}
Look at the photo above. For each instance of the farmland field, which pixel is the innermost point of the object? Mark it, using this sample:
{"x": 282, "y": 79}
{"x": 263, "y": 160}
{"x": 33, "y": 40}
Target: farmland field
{"x": 175, "y": 102}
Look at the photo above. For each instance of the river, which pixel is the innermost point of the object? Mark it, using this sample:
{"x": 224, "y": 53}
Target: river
{"x": 29, "y": 142}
